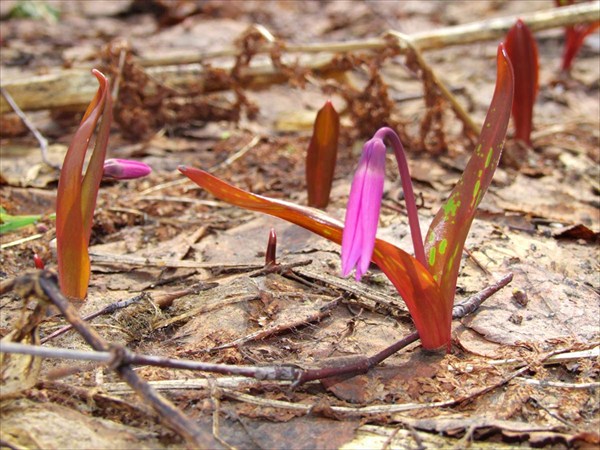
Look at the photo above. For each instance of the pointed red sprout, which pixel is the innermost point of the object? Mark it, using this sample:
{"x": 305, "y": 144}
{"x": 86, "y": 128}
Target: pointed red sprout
{"x": 523, "y": 53}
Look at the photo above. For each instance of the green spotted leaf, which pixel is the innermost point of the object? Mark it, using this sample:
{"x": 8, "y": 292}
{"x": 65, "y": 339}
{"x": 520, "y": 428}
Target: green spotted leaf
{"x": 447, "y": 233}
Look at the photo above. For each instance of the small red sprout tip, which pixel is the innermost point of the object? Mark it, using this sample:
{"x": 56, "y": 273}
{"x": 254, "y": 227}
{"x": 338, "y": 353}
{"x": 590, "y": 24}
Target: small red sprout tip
{"x": 574, "y": 38}
{"x": 522, "y": 51}
{"x": 271, "y": 254}
{"x": 39, "y": 264}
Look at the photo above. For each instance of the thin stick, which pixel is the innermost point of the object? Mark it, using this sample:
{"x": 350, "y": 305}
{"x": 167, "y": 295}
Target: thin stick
{"x": 33, "y": 237}
{"x": 237, "y": 155}
{"x": 471, "y": 304}
{"x": 425, "y": 40}
{"x": 29, "y": 124}
{"x": 106, "y": 259}
{"x": 555, "y": 359}
{"x": 558, "y": 384}
{"x": 324, "y": 311}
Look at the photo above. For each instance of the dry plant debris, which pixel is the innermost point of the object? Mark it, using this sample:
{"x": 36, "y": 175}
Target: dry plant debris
{"x": 204, "y": 85}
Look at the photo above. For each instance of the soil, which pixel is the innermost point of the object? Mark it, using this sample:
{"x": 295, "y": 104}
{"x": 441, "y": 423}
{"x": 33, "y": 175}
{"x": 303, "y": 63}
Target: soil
{"x": 199, "y": 261}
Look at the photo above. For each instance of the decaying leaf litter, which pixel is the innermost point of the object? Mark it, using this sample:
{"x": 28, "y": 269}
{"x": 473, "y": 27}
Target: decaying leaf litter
{"x": 162, "y": 236}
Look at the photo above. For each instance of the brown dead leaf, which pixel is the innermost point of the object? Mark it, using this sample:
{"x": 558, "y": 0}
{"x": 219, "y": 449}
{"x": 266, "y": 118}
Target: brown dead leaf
{"x": 304, "y": 433}
{"x": 19, "y": 372}
{"x": 555, "y": 309}
{"x": 26, "y": 424}
{"x": 577, "y": 232}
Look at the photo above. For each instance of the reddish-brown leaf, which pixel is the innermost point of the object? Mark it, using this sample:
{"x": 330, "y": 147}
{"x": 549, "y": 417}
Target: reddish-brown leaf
{"x": 523, "y": 54}
{"x": 321, "y": 156}
{"x": 76, "y": 196}
{"x": 414, "y": 283}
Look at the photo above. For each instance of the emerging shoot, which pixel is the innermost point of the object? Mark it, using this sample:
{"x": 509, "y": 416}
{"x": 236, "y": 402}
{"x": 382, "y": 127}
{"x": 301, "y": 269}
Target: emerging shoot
{"x": 76, "y": 198}
{"x": 321, "y": 156}
{"x": 522, "y": 50}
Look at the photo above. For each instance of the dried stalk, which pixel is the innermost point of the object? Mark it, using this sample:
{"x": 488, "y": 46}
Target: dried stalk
{"x": 74, "y": 88}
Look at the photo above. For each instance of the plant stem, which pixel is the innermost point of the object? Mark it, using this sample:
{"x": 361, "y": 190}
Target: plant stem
{"x": 409, "y": 196}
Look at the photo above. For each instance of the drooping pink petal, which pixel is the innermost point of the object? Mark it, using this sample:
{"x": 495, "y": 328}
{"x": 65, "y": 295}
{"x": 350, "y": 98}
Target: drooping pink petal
{"x": 362, "y": 213}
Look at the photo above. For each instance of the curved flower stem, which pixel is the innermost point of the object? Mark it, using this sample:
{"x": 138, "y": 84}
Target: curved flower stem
{"x": 409, "y": 197}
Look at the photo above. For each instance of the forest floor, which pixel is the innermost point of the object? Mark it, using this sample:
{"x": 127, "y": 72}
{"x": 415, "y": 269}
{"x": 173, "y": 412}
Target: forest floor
{"x": 523, "y": 370}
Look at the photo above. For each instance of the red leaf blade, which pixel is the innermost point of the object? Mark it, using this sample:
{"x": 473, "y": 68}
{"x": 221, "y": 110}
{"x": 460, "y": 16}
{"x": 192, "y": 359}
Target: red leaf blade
{"x": 321, "y": 156}
{"x": 447, "y": 233}
{"x": 523, "y": 54}
{"x": 74, "y": 206}
{"x": 414, "y": 283}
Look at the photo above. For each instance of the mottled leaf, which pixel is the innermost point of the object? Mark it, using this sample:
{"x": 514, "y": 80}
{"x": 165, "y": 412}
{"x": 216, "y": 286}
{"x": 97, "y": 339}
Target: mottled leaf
{"x": 321, "y": 156}
{"x": 414, "y": 283}
{"x": 447, "y": 233}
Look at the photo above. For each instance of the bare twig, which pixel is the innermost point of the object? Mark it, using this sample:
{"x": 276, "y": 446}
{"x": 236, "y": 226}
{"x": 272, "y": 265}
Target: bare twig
{"x": 472, "y": 303}
{"x": 106, "y": 259}
{"x": 106, "y": 310}
{"x": 29, "y": 124}
{"x": 33, "y": 237}
{"x": 162, "y": 300}
{"x": 365, "y": 297}
{"x": 181, "y": 182}
{"x": 237, "y": 155}
{"x": 558, "y": 384}
{"x": 554, "y": 359}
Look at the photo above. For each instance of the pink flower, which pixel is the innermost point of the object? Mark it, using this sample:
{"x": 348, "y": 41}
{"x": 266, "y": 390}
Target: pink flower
{"x": 125, "y": 169}
{"x": 362, "y": 214}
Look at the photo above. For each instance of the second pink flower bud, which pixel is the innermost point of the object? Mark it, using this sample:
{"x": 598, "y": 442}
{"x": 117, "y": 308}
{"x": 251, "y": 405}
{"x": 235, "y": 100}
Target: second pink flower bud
{"x": 125, "y": 169}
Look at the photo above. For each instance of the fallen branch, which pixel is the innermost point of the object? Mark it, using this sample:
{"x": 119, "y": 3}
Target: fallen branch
{"x": 74, "y": 88}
